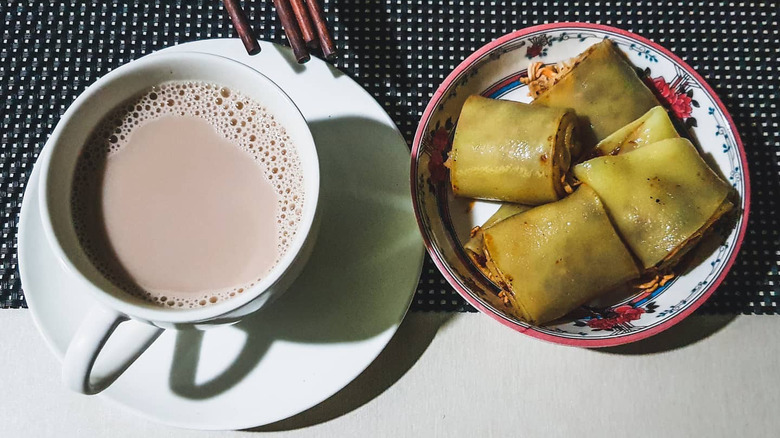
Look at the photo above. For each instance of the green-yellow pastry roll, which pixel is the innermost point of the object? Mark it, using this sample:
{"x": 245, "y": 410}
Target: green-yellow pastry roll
{"x": 653, "y": 126}
{"x": 661, "y": 197}
{"x": 603, "y": 90}
{"x": 553, "y": 258}
{"x": 510, "y": 151}
{"x": 474, "y": 245}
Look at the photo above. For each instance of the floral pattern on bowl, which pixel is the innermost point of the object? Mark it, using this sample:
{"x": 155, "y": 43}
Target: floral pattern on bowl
{"x": 495, "y": 71}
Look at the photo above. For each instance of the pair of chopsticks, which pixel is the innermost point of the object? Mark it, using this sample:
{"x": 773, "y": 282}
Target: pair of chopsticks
{"x": 303, "y": 23}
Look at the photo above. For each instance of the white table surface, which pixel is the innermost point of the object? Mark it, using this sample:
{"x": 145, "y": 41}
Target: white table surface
{"x": 465, "y": 375}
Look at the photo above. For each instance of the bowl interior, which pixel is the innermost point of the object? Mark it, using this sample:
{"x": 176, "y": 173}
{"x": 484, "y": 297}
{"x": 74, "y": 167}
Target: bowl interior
{"x": 494, "y": 71}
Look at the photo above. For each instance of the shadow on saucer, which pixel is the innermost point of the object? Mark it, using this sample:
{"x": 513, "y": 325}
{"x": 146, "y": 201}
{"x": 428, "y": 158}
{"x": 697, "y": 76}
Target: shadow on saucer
{"x": 687, "y": 332}
{"x": 288, "y": 56}
{"x": 402, "y": 352}
{"x": 349, "y": 290}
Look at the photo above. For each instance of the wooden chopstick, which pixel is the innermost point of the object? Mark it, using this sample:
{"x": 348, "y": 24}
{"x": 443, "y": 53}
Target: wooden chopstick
{"x": 241, "y": 23}
{"x": 304, "y": 23}
{"x": 290, "y": 25}
{"x": 297, "y": 24}
{"x": 318, "y": 16}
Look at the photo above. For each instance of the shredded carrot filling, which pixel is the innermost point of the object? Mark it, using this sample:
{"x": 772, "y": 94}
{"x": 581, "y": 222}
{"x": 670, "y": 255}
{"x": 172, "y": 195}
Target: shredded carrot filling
{"x": 541, "y": 77}
{"x": 568, "y": 187}
{"x": 666, "y": 279}
{"x": 658, "y": 280}
{"x": 650, "y": 283}
{"x": 504, "y": 297}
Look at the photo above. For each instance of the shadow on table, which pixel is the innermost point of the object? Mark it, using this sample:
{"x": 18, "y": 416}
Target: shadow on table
{"x": 402, "y": 352}
{"x": 688, "y": 331}
{"x": 349, "y": 290}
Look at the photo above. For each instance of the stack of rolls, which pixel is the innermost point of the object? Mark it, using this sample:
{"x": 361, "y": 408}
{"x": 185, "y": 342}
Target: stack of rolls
{"x": 644, "y": 196}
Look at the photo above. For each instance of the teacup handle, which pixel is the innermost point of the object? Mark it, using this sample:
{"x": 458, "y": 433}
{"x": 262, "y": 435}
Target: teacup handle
{"x": 88, "y": 342}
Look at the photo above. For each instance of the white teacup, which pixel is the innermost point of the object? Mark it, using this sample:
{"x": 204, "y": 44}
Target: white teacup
{"x": 146, "y": 320}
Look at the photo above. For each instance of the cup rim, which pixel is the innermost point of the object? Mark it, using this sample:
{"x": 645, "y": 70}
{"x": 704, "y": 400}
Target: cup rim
{"x": 134, "y": 307}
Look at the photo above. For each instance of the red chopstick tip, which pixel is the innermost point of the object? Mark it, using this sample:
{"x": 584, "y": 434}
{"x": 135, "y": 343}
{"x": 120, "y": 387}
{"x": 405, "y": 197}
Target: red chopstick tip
{"x": 243, "y": 28}
{"x": 290, "y": 25}
{"x": 253, "y": 50}
{"x": 332, "y": 55}
{"x": 318, "y": 18}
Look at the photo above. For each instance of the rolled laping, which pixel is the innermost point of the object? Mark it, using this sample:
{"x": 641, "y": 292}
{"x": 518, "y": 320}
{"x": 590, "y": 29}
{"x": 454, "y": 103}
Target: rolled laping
{"x": 510, "y": 151}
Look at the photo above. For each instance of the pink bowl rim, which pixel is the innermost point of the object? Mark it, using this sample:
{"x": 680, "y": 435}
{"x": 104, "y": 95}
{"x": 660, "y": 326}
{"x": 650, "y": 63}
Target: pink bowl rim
{"x": 586, "y": 343}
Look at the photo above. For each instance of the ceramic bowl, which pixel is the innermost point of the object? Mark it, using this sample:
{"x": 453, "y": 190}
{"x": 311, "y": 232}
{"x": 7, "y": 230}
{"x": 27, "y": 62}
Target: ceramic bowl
{"x": 495, "y": 71}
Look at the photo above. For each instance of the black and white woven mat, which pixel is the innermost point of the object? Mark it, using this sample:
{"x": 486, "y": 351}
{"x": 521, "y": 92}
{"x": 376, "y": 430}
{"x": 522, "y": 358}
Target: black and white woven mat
{"x": 399, "y": 51}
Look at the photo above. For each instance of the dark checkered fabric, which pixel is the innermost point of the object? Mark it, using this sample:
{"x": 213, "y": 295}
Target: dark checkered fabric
{"x": 399, "y": 51}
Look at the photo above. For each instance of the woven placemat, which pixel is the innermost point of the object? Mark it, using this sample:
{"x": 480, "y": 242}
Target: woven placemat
{"x": 399, "y": 51}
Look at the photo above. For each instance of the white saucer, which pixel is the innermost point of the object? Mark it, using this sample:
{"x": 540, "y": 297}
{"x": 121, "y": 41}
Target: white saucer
{"x": 322, "y": 333}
